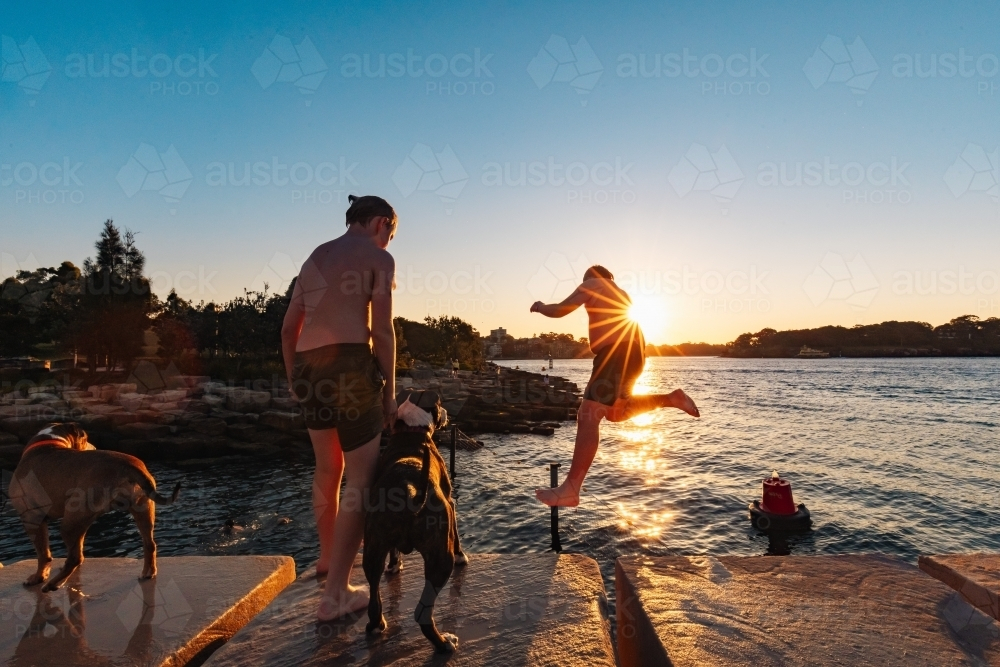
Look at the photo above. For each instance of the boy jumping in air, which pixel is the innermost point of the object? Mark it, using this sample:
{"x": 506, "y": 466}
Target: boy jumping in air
{"x": 621, "y": 354}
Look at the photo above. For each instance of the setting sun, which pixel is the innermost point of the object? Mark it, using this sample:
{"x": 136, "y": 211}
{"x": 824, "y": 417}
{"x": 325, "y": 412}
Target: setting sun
{"x": 651, "y": 314}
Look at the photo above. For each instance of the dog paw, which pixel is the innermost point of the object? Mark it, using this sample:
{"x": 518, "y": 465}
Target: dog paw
{"x": 376, "y": 629}
{"x": 461, "y": 558}
{"x": 394, "y": 568}
{"x": 450, "y": 644}
{"x": 48, "y": 588}
{"x": 34, "y": 580}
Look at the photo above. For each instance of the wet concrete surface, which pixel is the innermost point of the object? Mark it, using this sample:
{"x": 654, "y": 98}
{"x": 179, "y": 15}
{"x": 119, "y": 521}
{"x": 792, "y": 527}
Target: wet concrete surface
{"x": 103, "y": 615}
{"x": 537, "y": 609}
{"x": 975, "y": 576}
{"x": 794, "y": 610}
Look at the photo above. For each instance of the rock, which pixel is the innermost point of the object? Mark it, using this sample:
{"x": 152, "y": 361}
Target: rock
{"x": 283, "y": 421}
{"x": 285, "y": 404}
{"x": 169, "y": 417}
{"x": 246, "y": 400}
{"x": 27, "y": 426}
{"x": 243, "y": 432}
{"x": 8, "y": 439}
{"x": 119, "y": 419}
{"x": 151, "y": 416}
{"x": 194, "y": 405}
{"x": 164, "y": 406}
{"x": 40, "y": 397}
{"x": 542, "y": 430}
{"x": 108, "y": 392}
{"x": 102, "y": 409}
{"x": 141, "y": 449}
{"x": 143, "y": 431}
{"x": 11, "y": 451}
{"x": 170, "y": 396}
{"x": 186, "y": 381}
{"x": 93, "y": 423}
{"x": 134, "y": 401}
{"x": 213, "y": 401}
{"x": 209, "y": 426}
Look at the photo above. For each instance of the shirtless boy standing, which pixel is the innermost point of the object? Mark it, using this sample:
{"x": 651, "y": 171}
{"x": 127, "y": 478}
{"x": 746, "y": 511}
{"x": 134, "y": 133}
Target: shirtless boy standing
{"x": 340, "y": 355}
{"x": 621, "y": 354}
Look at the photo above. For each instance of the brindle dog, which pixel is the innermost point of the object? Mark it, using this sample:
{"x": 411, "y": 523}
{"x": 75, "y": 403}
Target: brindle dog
{"x": 410, "y": 507}
{"x": 61, "y": 476}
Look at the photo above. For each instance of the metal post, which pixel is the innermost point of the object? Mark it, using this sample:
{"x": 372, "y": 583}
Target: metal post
{"x": 554, "y": 482}
{"x": 454, "y": 442}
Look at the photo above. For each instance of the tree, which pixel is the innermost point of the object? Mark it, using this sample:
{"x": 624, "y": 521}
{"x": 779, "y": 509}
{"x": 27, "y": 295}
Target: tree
{"x": 115, "y": 302}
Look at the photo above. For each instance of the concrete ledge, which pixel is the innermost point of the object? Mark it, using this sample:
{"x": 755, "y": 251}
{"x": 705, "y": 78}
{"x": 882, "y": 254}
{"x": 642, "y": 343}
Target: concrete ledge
{"x": 506, "y": 610}
{"x": 975, "y": 576}
{"x": 105, "y": 615}
{"x": 794, "y": 610}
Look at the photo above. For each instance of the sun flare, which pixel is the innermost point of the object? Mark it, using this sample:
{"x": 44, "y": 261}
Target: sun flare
{"x": 651, "y": 314}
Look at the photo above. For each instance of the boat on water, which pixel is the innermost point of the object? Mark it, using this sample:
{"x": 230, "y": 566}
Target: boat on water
{"x": 808, "y": 353}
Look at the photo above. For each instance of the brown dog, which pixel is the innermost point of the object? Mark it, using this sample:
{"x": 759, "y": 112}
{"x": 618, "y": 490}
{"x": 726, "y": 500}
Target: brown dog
{"x": 61, "y": 476}
{"x": 410, "y": 507}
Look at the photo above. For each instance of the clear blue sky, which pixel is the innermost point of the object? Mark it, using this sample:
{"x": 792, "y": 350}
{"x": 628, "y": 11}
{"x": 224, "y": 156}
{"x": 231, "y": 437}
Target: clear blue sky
{"x": 660, "y": 143}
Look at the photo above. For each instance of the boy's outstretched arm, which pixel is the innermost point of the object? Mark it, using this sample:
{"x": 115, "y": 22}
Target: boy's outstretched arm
{"x": 563, "y": 308}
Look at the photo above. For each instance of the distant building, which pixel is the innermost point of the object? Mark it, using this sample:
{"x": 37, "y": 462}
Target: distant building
{"x": 493, "y": 346}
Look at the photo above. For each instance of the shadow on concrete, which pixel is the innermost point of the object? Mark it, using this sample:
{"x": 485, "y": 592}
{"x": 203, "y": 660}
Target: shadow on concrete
{"x": 505, "y": 610}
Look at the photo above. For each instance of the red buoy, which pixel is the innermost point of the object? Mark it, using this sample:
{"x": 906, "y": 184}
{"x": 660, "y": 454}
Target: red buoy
{"x": 777, "y": 497}
{"x": 776, "y": 510}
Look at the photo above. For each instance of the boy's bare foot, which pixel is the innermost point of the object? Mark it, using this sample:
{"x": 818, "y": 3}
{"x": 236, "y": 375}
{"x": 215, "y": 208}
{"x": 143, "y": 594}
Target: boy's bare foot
{"x": 684, "y": 402}
{"x": 345, "y": 602}
{"x": 563, "y": 495}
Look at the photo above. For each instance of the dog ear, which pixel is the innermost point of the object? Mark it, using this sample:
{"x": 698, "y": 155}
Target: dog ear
{"x": 80, "y": 437}
{"x": 428, "y": 400}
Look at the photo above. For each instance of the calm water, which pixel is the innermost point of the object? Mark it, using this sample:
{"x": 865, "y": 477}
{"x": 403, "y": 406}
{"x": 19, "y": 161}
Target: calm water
{"x": 893, "y": 456}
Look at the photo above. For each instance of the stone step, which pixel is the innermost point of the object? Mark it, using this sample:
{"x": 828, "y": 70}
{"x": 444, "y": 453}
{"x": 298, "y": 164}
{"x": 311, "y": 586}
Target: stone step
{"x": 794, "y": 610}
{"x": 975, "y": 576}
{"x": 539, "y": 609}
{"x": 105, "y": 615}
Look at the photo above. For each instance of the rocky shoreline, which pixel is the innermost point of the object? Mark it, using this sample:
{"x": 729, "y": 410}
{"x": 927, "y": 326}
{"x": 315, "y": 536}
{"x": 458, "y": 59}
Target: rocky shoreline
{"x": 195, "y": 419}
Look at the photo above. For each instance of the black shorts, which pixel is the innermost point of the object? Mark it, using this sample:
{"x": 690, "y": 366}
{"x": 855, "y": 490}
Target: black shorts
{"x": 340, "y": 386}
{"x": 616, "y": 368}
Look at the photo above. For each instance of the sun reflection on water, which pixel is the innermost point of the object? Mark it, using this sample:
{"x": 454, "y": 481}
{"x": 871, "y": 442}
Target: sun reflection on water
{"x": 648, "y": 525}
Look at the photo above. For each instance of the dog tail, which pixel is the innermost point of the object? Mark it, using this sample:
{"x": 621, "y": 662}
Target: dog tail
{"x": 148, "y": 486}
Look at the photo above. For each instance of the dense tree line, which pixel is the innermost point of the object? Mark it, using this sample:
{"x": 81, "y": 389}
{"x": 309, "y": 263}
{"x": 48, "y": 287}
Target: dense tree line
{"x": 100, "y": 314}
{"x": 437, "y": 341}
{"x": 963, "y": 336}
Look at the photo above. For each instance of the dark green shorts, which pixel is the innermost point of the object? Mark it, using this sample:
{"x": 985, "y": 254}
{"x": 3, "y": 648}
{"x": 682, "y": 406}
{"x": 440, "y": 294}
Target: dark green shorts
{"x": 340, "y": 386}
{"x": 616, "y": 368}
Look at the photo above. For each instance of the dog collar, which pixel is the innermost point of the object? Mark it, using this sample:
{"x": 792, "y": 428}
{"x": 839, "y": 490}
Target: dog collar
{"x": 40, "y": 443}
